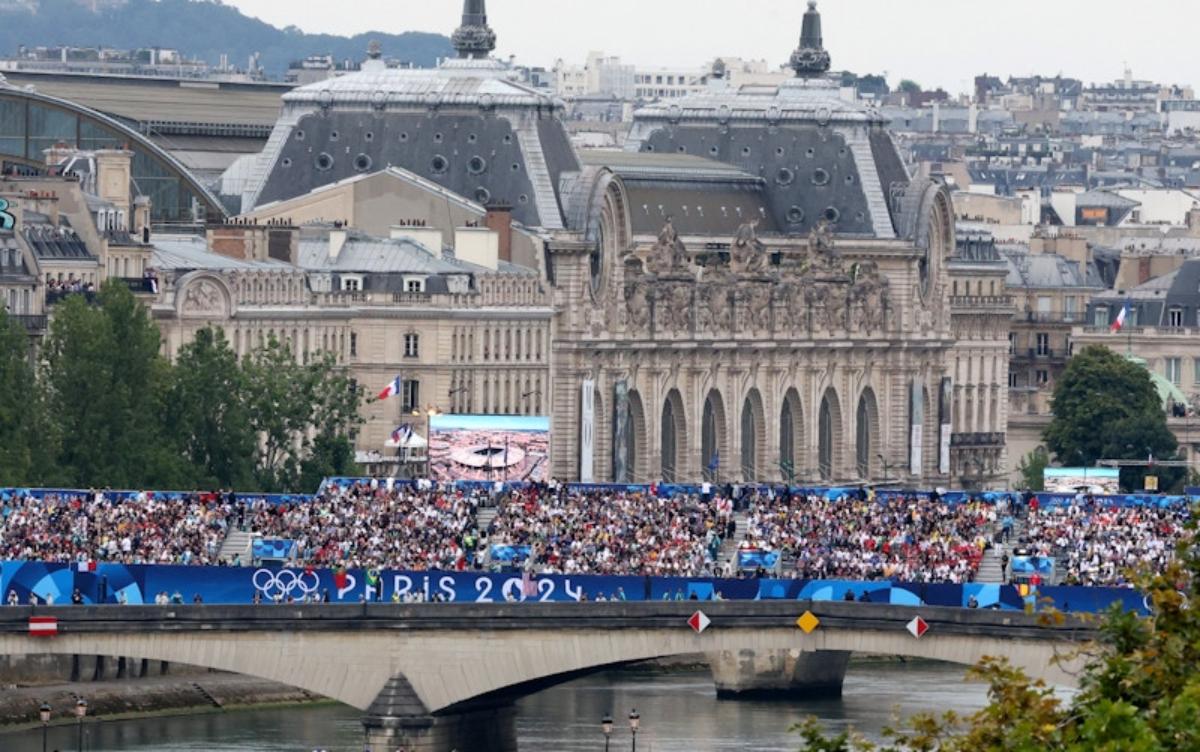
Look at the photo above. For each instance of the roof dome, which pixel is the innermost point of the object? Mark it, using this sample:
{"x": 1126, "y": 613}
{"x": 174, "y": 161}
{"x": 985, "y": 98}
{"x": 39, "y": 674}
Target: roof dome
{"x": 821, "y": 156}
{"x": 465, "y": 125}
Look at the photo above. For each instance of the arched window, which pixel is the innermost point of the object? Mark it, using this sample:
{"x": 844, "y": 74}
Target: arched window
{"x": 862, "y": 439}
{"x": 669, "y": 453}
{"x": 825, "y": 440}
{"x": 710, "y": 457}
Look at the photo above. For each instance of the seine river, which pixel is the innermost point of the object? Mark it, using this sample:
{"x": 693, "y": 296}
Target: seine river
{"x": 680, "y": 713}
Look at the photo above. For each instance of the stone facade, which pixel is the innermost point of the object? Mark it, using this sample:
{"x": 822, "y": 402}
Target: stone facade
{"x": 798, "y": 360}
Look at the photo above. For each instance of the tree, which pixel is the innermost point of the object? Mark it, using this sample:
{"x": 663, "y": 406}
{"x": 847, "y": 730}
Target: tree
{"x": 1106, "y": 407}
{"x": 1140, "y": 690}
{"x": 206, "y": 413}
{"x": 26, "y": 438}
{"x": 908, "y": 86}
{"x": 105, "y": 381}
{"x": 1032, "y": 469}
{"x": 291, "y": 405}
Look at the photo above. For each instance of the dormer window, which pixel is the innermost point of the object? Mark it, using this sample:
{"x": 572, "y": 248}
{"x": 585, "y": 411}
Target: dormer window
{"x": 1175, "y": 318}
{"x": 414, "y": 284}
{"x": 351, "y": 284}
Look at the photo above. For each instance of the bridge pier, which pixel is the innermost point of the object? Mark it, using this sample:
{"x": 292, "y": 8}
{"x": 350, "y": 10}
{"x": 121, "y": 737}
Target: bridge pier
{"x": 779, "y": 674}
{"x": 398, "y": 721}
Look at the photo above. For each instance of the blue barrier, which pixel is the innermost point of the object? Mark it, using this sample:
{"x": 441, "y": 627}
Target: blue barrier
{"x": 136, "y": 584}
{"x": 270, "y": 549}
{"x": 752, "y": 558}
{"x": 1031, "y": 565}
{"x": 509, "y": 554}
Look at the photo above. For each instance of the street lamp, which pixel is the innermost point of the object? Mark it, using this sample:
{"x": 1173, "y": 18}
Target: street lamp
{"x": 635, "y": 721}
{"x": 80, "y": 713}
{"x": 44, "y": 713}
{"x": 606, "y": 727}
{"x": 430, "y": 413}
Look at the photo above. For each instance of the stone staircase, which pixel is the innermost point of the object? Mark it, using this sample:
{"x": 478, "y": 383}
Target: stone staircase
{"x": 730, "y": 546}
{"x": 991, "y": 571}
{"x": 237, "y": 542}
{"x": 484, "y": 517}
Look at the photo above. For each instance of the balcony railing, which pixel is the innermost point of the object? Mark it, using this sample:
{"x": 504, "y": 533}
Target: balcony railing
{"x": 1053, "y": 317}
{"x": 32, "y": 323}
{"x": 138, "y": 285}
{"x": 975, "y": 440}
{"x": 53, "y": 297}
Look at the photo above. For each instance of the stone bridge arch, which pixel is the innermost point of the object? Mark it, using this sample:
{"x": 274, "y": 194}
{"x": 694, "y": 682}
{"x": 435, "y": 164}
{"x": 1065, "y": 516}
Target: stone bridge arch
{"x": 447, "y": 659}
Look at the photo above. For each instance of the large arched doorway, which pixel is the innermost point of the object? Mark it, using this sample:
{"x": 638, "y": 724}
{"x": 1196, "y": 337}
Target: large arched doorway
{"x": 791, "y": 436}
{"x": 673, "y": 436}
{"x": 753, "y": 436}
{"x": 829, "y": 424}
{"x": 712, "y": 436}
{"x": 866, "y": 433}
{"x": 628, "y": 436}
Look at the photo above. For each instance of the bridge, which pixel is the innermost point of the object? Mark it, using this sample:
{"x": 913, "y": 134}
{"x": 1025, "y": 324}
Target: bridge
{"x": 438, "y": 677}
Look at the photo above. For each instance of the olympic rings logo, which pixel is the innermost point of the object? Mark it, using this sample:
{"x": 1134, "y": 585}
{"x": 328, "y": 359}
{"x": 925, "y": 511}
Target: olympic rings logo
{"x": 286, "y": 582}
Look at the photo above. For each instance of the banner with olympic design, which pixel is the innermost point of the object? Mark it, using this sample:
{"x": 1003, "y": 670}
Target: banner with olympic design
{"x": 136, "y": 584}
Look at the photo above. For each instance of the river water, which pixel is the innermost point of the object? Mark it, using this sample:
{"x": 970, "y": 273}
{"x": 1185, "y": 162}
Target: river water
{"x": 679, "y": 712}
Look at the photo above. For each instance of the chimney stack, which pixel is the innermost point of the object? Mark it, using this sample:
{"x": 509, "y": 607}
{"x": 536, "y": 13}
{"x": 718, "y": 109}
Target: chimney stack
{"x": 499, "y": 221}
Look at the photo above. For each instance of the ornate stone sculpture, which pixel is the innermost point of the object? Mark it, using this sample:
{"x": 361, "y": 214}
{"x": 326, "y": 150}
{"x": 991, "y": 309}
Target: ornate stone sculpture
{"x": 822, "y": 250}
{"x": 202, "y": 297}
{"x": 637, "y": 304}
{"x": 673, "y": 308}
{"x": 868, "y": 296}
{"x": 669, "y": 254}
{"x": 757, "y": 299}
{"x": 716, "y": 311}
{"x": 747, "y": 253}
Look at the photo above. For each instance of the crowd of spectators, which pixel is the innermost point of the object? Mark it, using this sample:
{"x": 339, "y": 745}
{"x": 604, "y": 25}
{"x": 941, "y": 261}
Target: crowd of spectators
{"x": 1099, "y": 545}
{"x": 147, "y": 529}
{"x": 909, "y": 539}
{"x": 615, "y": 532}
{"x": 550, "y": 529}
{"x": 371, "y": 526}
{"x": 70, "y": 284}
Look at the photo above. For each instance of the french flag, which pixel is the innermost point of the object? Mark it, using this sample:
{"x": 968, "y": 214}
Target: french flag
{"x": 392, "y": 389}
{"x": 1119, "y": 323}
{"x": 85, "y": 566}
{"x": 401, "y": 435}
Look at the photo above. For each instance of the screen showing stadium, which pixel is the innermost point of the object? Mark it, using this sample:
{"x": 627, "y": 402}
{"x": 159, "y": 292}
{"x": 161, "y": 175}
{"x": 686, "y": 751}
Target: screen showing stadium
{"x": 1093, "y": 480}
{"x": 490, "y": 447}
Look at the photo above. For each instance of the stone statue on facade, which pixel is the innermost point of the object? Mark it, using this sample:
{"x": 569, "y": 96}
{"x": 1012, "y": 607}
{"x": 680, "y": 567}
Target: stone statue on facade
{"x": 757, "y": 300}
{"x": 637, "y": 306}
{"x": 668, "y": 255}
{"x": 716, "y": 313}
{"x": 748, "y": 254}
{"x": 673, "y": 308}
{"x": 868, "y": 296}
{"x": 822, "y": 249}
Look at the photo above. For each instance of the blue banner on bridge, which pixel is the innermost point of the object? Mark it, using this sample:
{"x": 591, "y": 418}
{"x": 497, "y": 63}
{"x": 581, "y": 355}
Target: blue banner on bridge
{"x": 135, "y": 584}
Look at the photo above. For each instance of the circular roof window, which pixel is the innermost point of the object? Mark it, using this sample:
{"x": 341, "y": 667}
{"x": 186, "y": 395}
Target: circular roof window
{"x": 324, "y": 161}
{"x": 477, "y": 165}
{"x": 439, "y": 164}
{"x": 820, "y": 176}
{"x": 362, "y": 163}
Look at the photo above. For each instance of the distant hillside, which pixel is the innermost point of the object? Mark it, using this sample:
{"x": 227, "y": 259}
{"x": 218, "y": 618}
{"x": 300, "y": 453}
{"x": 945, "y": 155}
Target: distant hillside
{"x": 203, "y": 29}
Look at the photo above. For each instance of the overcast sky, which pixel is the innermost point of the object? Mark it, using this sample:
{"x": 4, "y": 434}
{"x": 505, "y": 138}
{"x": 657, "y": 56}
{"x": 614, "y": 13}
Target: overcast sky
{"x": 936, "y": 42}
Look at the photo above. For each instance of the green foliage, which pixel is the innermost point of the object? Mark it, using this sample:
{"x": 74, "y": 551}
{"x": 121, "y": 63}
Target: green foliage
{"x": 1106, "y": 407}
{"x": 26, "y": 440}
{"x": 201, "y": 29}
{"x": 291, "y": 406}
{"x": 105, "y": 380}
{"x": 908, "y": 86}
{"x": 207, "y": 413}
{"x": 110, "y": 411}
{"x": 1032, "y": 467}
{"x": 1139, "y": 691}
